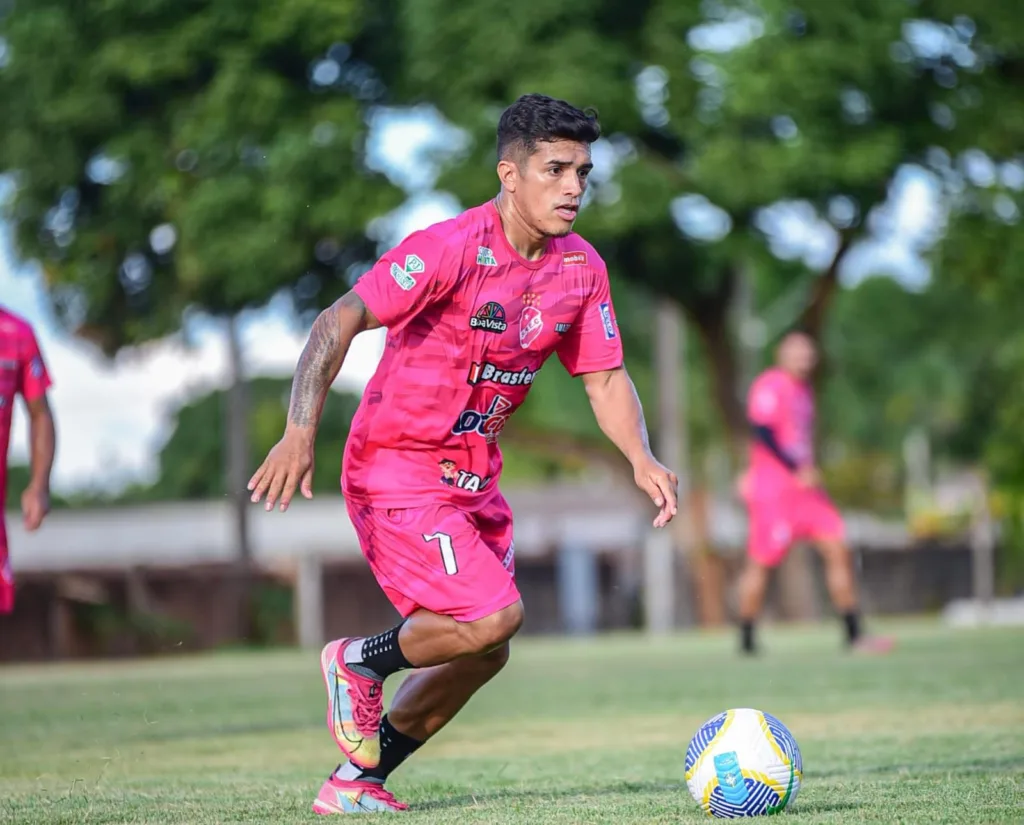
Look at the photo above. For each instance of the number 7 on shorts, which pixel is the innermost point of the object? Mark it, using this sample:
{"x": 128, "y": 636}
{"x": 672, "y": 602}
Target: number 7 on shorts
{"x": 451, "y": 566}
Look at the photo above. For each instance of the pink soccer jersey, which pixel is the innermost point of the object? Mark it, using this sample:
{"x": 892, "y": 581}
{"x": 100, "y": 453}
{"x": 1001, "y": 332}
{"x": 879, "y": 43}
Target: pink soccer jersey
{"x": 786, "y": 404}
{"x": 470, "y": 324}
{"x": 23, "y": 371}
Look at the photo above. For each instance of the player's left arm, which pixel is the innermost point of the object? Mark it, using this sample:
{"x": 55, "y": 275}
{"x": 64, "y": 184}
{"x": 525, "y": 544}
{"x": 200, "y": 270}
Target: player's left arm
{"x": 620, "y": 416}
{"x": 592, "y": 349}
{"x": 34, "y": 381}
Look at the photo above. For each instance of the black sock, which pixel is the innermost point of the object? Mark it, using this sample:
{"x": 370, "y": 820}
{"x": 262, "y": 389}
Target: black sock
{"x": 395, "y": 748}
{"x": 852, "y": 622}
{"x": 747, "y": 636}
{"x": 379, "y": 656}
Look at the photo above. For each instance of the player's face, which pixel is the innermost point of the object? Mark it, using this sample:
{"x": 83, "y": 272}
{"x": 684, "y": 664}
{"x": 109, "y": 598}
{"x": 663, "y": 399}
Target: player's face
{"x": 551, "y": 184}
{"x": 798, "y": 355}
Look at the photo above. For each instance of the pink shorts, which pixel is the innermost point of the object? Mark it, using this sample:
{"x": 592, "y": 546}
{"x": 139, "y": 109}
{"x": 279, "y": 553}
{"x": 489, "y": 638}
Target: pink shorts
{"x": 795, "y": 514}
{"x": 441, "y": 558}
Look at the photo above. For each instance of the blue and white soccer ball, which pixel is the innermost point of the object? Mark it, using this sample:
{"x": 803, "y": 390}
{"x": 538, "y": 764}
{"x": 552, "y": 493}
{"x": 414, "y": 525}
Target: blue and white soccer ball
{"x": 743, "y": 762}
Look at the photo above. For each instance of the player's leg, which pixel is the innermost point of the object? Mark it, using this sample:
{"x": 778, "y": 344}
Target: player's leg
{"x": 6, "y": 573}
{"x": 459, "y": 601}
{"x": 753, "y": 584}
{"x": 769, "y": 539}
{"x": 430, "y": 697}
{"x": 824, "y": 525}
{"x": 425, "y": 702}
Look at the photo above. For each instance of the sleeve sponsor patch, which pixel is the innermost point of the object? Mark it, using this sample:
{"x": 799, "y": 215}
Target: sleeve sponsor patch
{"x": 606, "y": 320}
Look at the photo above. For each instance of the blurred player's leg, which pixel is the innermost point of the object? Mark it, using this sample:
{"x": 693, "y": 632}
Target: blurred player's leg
{"x": 822, "y": 523}
{"x": 753, "y": 585}
{"x": 842, "y": 588}
{"x": 6, "y": 574}
{"x": 769, "y": 539}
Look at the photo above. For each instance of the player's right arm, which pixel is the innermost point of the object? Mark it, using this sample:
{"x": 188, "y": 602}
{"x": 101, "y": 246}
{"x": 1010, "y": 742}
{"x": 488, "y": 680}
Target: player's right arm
{"x": 406, "y": 280}
{"x": 290, "y": 462}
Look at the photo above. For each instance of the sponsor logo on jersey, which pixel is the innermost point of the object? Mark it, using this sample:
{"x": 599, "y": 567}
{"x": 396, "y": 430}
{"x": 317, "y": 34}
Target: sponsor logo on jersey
{"x": 490, "y": 318}
{"x": 562, "y": 327}
{"x": 484, "y": 371}
{"x": 452, "y": 476}
{"x": 574, "y": 259}
{"x": 606, "y": 319}
{"x": 485, "y": 257}
{"x": 414, "y": 263}
{"x": 489, "y": 424}
{"x": 402, "y": 278}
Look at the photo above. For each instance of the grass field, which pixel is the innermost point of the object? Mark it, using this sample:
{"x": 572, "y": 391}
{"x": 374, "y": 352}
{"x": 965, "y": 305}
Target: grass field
{"x": 571, "y": 732}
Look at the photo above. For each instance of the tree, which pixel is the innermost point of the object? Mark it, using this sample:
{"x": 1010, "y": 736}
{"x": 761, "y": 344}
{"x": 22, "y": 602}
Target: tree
{"x": 171, "y": 156}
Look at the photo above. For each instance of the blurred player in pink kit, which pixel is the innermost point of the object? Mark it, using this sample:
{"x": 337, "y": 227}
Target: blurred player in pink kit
{"x": 22, "y": 372}
{"x": 783, "y": 492}
{"x": 474, "y": 307}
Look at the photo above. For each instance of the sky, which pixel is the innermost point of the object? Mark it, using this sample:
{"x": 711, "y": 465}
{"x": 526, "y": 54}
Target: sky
{"x": 112, "y": 416}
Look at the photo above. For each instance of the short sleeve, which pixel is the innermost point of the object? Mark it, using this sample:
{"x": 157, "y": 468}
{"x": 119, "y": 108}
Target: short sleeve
{"x": 592, "y": 343}
{"x": 764, "y": 402}
{"x": 420, "y": 271}
{"x": 33, "y": 379}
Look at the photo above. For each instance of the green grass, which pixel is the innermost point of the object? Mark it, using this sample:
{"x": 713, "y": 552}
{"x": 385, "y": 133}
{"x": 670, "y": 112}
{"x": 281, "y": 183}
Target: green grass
{"x": 571, "y": 732}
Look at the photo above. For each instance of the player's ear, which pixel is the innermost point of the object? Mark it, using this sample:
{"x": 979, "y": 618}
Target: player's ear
{"x": 508, "y": 174}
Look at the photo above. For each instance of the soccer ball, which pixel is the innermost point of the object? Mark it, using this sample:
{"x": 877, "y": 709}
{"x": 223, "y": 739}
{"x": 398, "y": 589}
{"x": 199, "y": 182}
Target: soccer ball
{"x": 743, "y": 762}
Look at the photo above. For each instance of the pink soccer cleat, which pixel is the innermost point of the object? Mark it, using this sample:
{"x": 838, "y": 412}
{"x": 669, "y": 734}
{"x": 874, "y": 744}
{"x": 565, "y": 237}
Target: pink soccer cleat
{"x": 354, "y": 707}
{"x": 341, "y": 796}
{"x": 873, "y": 645}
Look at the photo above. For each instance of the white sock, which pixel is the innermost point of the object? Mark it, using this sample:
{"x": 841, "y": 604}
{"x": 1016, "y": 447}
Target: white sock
{"x": 348, "y": 771}
{"x": 353, "y": 653}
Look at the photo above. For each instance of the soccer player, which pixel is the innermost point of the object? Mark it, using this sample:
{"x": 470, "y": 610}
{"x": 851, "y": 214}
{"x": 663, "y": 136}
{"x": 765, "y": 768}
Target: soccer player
{"x": 784, "y": 496}
{"x": 22, "y": 371}
{"x": 474, "y": 306}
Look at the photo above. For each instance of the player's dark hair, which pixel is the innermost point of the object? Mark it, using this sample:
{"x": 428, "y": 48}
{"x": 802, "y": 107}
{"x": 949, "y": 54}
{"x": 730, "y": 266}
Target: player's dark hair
{"x": 537, "y": 119}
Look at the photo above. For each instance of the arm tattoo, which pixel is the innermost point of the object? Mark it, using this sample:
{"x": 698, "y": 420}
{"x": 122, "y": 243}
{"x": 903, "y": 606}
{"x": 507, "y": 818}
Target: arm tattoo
{"x": 317, "y": 368}
{"x": 321, "y": 358}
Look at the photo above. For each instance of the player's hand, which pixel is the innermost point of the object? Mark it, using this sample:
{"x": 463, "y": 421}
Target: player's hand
{"x": 35, "y": 504}
{"x": 661, "y": 484}
{"x": 288, "y": 465}
{"x": 808, "y": 477}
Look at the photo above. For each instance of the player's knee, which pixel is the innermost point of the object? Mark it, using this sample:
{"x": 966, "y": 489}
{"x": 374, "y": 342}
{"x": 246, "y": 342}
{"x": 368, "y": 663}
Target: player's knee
{"x": 492, "y": 631}
{"x": 494, "y": 660}
{"x": 833, "y": 551}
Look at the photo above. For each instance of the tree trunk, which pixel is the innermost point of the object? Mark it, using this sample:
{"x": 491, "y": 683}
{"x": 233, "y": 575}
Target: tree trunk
{"x": 236, "y": 427}
{"x": 721, "y": 353}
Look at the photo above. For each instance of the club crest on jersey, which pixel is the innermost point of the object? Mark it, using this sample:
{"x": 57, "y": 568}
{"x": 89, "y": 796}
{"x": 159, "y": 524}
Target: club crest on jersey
{"x": 490, "y": 318}
{"x": 485, "y": 257}
{"x": 484, "y": 372}
{"x": 606, "y": 320}
{"x": 574, "y": 259}
{"x": 488, "y": 424}
{"x": 531, "y": 322}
